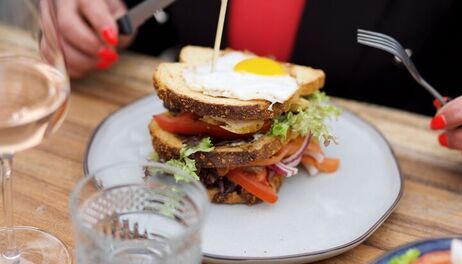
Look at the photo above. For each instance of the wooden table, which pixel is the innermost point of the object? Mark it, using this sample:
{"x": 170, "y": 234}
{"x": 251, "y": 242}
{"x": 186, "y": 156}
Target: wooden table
{"x": 44, "y": 176}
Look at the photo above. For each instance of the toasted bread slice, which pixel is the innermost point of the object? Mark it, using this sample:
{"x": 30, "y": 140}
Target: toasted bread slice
{"x": 243, "y": 197}
{"x": 173, "y": 90}
{"x": 168, "y": 146}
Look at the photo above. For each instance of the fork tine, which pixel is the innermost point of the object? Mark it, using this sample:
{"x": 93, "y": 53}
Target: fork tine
{"x": 383, "y": 37}
{"x": 402, "y": 54}
{"x": 378, "y": 45}
{"x": 398, "y": 50}
{"x": 371, "y": 37}
{"x": 383, "y": 46}
{"x": 379, "y": 35}
{"x": 382, "y": 42}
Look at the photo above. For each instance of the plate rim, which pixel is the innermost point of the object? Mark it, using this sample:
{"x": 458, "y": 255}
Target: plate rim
{"x": 413, "y": 244}
{"x": 345, "y": 246}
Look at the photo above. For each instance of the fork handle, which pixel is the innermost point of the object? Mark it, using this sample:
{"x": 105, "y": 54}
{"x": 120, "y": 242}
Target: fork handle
{"x": 434, "y": 92}
{"x": 416, "y": 75}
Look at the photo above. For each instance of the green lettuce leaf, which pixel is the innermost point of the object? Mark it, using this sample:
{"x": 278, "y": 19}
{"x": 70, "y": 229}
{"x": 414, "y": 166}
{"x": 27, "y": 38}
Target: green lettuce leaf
{"x": 204, "y": 146}
{"x": 309, "y": 120}
{"x": 407, "y": 258}
{"x": 153, "y": 156}
{"x": 187, "y": 164}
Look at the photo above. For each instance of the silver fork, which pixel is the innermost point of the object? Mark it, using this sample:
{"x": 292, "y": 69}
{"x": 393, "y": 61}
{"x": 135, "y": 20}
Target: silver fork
{"x": 390, "y": 45}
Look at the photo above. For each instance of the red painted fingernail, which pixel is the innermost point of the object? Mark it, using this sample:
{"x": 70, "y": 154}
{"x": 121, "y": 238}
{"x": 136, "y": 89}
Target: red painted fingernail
{"x": 443, "y": 139}
{"x": 109, "y": 35}
{"x": 108, "y": 54}
{"x": 103, "y": 64}
{"x": 438, "y": 122}
{"x": 437, "y": 103}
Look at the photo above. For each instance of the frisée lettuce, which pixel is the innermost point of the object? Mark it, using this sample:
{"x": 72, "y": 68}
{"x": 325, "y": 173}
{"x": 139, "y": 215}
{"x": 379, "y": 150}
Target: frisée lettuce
{"x": 187, "y": 164}
{"x": 309, "y": 120}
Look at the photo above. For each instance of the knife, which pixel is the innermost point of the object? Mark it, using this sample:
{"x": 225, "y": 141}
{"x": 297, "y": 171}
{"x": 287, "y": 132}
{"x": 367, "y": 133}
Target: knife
{"x": 136, "y": 16}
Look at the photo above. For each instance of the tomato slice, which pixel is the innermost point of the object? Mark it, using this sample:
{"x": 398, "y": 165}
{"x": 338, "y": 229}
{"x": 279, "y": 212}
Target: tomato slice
{"x": 189, "y": 124}
{"x": 252, "y": 182}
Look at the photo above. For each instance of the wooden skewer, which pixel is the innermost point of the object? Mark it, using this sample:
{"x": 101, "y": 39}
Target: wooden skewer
{"x": 221, "y": 22}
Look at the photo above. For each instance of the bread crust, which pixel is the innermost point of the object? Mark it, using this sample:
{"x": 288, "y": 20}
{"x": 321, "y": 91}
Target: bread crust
{"x": 168, "y": 146}
{"x": 173, "y": 90}
{"x": 205, "y": 105}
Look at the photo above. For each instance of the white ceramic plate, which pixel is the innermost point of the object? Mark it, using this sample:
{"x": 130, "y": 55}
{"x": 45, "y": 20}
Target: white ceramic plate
{"x": 315, "y": 217}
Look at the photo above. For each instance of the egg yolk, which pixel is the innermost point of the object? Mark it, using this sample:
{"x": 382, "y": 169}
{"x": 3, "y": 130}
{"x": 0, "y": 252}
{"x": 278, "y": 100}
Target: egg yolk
{"x": 261, "y": 66}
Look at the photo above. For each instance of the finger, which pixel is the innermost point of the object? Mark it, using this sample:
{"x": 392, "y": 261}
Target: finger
{"x": 118, "y": 9}
{"x": 448, "y": 117}
{"x": 100, "y": 18}
{"x": 107, "y": 57}
{"x": 78, "y": 62}
{"x": 452, "y": 139}
{"x": 75, "y": 30}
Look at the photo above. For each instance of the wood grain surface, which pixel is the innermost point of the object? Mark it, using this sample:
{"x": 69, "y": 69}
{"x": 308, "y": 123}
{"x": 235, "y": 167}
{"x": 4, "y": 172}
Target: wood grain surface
{"x": 44, "y": 176}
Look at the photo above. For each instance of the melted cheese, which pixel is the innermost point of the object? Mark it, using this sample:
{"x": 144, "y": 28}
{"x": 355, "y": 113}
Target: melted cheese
{"x": 235, "y": 126}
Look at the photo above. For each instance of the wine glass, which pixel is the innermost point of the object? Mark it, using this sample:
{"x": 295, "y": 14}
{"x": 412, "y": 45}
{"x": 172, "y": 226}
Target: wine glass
{"x": 34, "y": 91}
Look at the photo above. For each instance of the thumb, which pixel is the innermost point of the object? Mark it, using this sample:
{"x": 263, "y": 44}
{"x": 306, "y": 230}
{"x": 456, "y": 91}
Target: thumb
{"x": 451, "y": 114}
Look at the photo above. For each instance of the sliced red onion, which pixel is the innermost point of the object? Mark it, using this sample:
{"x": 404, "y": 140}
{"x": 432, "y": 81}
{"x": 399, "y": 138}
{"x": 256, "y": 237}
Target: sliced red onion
{"x": 283, "y": 169}
{"x": 319, "y": 157}
{"x": 277, "y": 169}
{"x": 292, "y": 170}
{"x": 312, "y": 170}
{"x": 294, "y": 163}
{"x": 299, "y": 152}
{"x": 288, "y": 167}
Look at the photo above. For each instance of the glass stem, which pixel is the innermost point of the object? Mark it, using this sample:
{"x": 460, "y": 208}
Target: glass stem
{"x": 6, "y": 163}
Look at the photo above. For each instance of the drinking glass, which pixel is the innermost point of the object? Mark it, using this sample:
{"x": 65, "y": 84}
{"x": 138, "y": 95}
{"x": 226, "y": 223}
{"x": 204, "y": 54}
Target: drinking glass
{"x": 137, "y": 213}
{"x": 34, "y": 90}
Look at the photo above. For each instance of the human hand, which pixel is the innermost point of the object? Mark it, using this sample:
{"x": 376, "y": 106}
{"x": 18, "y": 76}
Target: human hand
{"x": 90, "y": 34}
{"x": 449, "y": 119}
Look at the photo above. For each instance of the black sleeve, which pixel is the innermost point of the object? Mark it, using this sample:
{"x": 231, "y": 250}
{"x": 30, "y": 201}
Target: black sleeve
{"x": 152, "y": 38}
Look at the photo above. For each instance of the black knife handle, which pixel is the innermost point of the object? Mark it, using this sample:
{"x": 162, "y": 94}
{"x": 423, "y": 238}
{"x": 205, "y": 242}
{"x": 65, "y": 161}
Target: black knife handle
{"x": 125, "y": 26}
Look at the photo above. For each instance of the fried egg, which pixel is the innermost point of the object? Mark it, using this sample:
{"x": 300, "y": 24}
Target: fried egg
{"x": 242, "y": 76}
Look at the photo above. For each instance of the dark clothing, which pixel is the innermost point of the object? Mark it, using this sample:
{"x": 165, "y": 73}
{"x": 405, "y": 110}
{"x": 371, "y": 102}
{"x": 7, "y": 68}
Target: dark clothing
{"x": 326, "y": 39}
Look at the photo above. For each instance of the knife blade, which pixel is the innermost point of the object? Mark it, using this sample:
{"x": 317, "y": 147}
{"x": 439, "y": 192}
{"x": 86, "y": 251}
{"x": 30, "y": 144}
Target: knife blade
{"x": 136, "y": 16}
